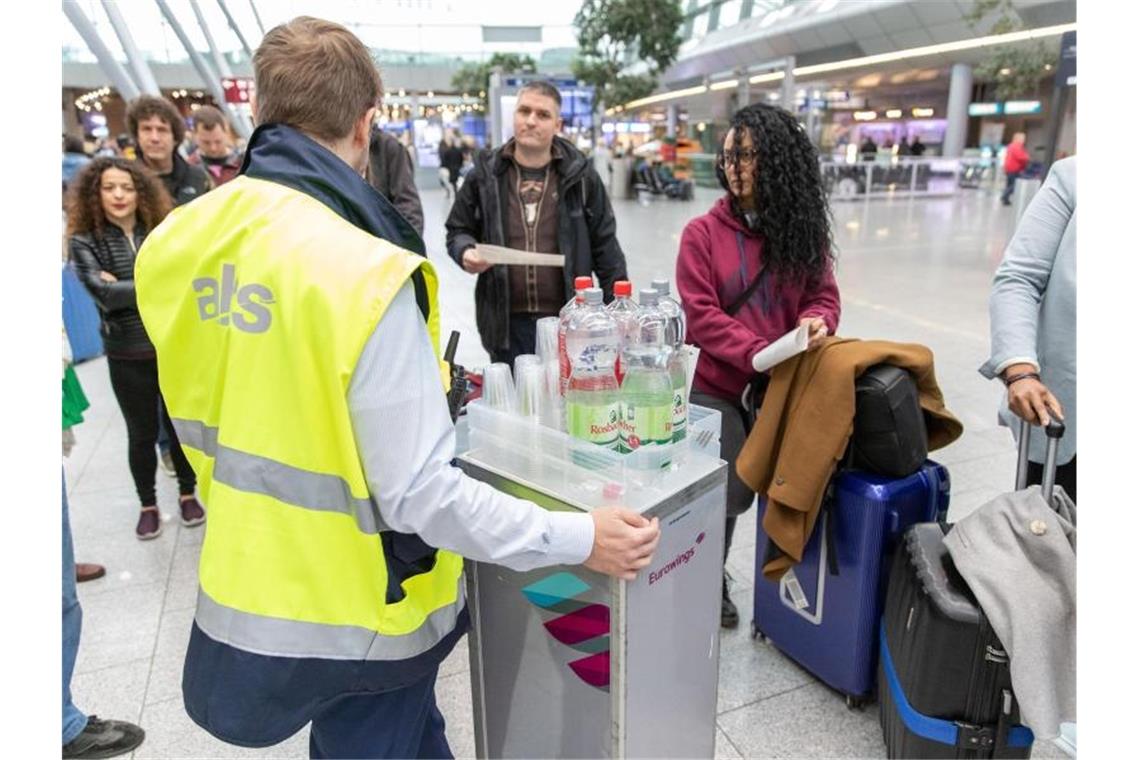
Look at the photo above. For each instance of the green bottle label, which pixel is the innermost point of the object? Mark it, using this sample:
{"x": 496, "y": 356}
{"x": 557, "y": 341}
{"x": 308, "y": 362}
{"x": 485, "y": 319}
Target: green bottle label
{"x": 643, "y": 425}
{"x": 594, "y": 423}
{"x": 680, "y": 413}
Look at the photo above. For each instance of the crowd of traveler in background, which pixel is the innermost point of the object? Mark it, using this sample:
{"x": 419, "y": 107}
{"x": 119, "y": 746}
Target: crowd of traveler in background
{"x": 759, "y": 263}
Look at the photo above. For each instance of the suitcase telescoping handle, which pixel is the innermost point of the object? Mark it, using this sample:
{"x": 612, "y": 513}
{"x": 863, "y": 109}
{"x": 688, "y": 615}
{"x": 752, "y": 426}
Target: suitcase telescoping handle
{"x": 1053, "y": 432}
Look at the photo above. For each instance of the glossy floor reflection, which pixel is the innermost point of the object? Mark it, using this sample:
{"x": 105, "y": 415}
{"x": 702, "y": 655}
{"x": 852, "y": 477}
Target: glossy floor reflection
{"x": 916, "y": 271}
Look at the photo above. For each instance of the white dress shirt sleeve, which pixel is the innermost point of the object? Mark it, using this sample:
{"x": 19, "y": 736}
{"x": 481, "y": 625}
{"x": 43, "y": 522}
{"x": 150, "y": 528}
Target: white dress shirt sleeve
{"x": 406, "y": 442}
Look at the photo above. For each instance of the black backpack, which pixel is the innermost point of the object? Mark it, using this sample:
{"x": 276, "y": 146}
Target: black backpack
{"x": 890, "y": 432}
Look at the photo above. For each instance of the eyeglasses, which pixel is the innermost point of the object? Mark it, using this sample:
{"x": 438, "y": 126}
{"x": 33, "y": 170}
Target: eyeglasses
{"x": 738, "y": 156}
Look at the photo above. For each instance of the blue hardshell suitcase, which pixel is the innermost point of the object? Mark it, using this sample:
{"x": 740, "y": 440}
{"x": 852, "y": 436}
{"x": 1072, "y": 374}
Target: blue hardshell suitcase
{"x": 824, "y": 612}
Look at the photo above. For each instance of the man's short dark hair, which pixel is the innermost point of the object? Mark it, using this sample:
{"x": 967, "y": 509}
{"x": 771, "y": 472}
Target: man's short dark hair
{"x": 146, "y": 106}
{"x": 542, "y": 87}
{"x": 208, "y": 117}
{"x": 72, "y": 144}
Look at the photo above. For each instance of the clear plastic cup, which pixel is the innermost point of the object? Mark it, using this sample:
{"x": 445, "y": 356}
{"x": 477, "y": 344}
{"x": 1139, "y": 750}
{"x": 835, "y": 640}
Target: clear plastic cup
{"x": 546, "y": 339}
{"x": 553, "y": 415}
{"x": 499, "y": 387}
{"x": 524, "y": 360}
{"x": 530, "y": 382}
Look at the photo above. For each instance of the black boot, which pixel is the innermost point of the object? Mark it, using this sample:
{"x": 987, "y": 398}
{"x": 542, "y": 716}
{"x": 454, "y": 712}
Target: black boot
{"x": 729, "y": 617}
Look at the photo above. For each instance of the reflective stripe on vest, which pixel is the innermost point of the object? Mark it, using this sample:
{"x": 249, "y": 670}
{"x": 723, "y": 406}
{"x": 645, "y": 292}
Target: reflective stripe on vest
{"x": 301, "y": 488}
{"x": 295, "y": 638}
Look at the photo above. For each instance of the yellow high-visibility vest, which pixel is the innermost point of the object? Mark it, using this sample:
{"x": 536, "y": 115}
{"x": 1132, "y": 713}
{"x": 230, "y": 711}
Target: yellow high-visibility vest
{"x": 259, "y": 300}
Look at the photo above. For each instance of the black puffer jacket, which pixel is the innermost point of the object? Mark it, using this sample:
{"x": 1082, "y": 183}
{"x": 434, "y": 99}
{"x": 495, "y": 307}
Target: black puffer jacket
{"x": 586, "y": 232}
{"x": 122, "y": 328}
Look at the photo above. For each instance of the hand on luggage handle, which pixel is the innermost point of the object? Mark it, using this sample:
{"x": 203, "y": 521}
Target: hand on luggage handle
{"x": 1053, "y": 432}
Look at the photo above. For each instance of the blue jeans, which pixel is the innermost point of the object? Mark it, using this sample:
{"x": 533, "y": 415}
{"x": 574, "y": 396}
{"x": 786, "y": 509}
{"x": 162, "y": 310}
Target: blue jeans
{"x": 1010, "y": 182}
{"x": 73, "y": 720}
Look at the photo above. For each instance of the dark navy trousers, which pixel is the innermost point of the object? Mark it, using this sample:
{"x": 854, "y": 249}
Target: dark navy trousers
{"x": 400, "y": 723}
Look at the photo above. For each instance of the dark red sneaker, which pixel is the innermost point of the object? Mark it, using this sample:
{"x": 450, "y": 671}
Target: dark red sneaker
{"x": 192, "y": 512}
{"x": 88, "y": 571}
{"x": 150, "y": 526}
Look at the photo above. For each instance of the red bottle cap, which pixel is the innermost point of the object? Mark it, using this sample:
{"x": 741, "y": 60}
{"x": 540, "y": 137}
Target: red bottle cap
{"x": 613, "y": 491}
{"x": 581, "y": 283}
{"x": 623, "y": 288}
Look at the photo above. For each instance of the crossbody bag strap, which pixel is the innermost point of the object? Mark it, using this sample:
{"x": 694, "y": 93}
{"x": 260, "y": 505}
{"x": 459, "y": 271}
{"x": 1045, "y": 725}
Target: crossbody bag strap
{"x": 738, "y": 304}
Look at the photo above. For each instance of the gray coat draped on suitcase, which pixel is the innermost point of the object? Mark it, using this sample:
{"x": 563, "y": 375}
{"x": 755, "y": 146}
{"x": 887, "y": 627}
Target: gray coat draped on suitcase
{"x": 1018, "y": 555}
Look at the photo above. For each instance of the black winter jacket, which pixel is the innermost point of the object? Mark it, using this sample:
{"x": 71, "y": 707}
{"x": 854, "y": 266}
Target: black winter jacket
{"x": 122, "y": 327}
{"x": 391, "y": 172}
{"x": 586, "y": 232}
{"x": 185, "y": 181}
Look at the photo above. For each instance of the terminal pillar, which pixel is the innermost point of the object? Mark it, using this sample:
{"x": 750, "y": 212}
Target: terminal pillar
{"x": 957, "y": 109}
{"x": 671, "y": 114}
{"x": 788, "y": 87}
{"x": 237, "y": 30}
{"x": 743, "y": 89}
{"x": 135, "y": 57}
{"x": 208, "y": 78}
{"x": 112, "y": 68}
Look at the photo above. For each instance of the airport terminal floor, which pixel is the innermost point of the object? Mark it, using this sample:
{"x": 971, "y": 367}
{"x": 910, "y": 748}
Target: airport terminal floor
{"x": 915, "y": 270}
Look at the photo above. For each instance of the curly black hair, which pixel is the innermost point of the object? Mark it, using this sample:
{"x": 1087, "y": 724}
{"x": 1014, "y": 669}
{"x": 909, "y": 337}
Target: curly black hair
{"x": 792, "y": 213}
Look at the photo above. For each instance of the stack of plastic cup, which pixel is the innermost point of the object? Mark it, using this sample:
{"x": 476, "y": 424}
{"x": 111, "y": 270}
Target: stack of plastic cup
{"x": 546, "y": 340}
{"x": 546, "y": 346}
{"x": 530, "y": 382}
{"x": 522, "y": 361}
{"x": 499, "y": 388}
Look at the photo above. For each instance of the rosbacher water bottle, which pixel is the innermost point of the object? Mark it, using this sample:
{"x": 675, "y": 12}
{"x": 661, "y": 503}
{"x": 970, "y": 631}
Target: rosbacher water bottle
{"x": 624, "y": 312}
{"x": 592, "y": 342}
{"x": 580, "y": 285}
{"x": 677, "y": 375}
{"x": 646, "y": 392}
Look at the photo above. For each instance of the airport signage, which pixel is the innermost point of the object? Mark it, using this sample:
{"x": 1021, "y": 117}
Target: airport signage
{"x": 984, "y": 109}
{"x": 1020, "y": 107}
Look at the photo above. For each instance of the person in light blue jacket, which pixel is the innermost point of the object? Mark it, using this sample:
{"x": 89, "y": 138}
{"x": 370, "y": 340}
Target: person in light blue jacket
{"x": 1033, "y": 322}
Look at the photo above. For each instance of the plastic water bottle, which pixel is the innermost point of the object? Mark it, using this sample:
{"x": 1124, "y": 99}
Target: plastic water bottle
{"x": 624, "y": 311}
{"x": 592, "y": 342}
{"x": 580, "y": 286}
{"x": 677, "y": 370}
{"x": 646, "y": 391}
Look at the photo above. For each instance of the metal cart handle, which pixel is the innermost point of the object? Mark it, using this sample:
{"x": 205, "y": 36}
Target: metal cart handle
{"x": 1053, "y": 432}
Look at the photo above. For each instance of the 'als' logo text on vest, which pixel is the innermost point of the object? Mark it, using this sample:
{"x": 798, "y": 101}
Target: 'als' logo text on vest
{"x": 216, "y": 301}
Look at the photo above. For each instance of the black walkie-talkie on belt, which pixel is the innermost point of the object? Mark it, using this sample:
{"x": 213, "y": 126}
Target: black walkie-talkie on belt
{"x": 458, "y": 377}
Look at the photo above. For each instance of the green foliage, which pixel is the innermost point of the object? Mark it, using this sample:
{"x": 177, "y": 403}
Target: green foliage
{"x": 610, "y": 29}
{"x": 475, "y": 78}
{"x": 1016, "y": 70}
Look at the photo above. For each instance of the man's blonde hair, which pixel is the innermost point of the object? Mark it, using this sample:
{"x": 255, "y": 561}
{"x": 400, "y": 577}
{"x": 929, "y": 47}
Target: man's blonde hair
{"x": 315, "y": 76}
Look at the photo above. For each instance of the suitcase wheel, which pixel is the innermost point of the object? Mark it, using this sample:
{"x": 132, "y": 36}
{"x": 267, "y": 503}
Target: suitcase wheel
{"x": 757, "y": 634}
{"x": 856, "y": 703}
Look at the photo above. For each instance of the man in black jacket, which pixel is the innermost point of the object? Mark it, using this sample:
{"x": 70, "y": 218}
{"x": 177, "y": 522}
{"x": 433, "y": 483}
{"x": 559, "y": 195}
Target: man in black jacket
{"x": 391, "y": 172}
{"x": 536, "y": 193}
{"x": 158, "y": 129}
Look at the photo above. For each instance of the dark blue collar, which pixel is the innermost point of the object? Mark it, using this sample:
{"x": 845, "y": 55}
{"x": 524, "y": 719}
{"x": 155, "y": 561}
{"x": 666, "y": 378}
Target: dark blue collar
{"x": 279, "y": 153}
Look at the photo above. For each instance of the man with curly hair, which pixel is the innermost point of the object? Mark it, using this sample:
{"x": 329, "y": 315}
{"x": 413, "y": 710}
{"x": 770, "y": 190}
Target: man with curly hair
{"x": 158, "y": 130}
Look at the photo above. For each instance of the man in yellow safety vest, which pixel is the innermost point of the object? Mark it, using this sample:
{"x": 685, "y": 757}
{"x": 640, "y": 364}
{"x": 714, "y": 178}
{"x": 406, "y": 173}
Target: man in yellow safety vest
{"x": 297, "y": 331}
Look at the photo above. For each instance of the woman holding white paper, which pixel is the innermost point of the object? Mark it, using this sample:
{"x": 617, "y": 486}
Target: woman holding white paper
{"x": 757, "y": 266}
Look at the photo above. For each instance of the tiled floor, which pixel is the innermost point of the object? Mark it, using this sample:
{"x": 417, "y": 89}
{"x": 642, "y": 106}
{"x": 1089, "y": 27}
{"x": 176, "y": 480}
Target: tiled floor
{"x": 909, "y": 270}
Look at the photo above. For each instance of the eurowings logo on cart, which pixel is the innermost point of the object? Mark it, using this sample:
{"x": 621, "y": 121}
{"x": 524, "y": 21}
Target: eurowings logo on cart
{"x": 680, "y": 560}
{"x": 582, "y": 626}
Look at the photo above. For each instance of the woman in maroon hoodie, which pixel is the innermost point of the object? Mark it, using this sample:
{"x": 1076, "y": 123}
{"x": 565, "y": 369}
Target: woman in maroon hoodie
{"x": 753, "y": 268}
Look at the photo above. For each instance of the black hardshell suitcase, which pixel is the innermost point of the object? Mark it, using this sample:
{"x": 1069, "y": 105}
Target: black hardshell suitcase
{"x": 944, "y": 682}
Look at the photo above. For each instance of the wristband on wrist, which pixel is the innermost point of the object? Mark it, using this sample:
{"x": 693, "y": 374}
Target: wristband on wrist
{"x": 1020, "y": 376}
